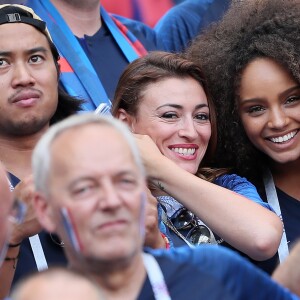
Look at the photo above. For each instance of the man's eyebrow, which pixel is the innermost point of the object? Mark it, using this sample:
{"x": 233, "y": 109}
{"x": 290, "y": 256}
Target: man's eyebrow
{"x": 29, "y": 51}
{"x": 126, "y": 172}
{"x": 5, "y": 53}
{"x": 36, "y": 49}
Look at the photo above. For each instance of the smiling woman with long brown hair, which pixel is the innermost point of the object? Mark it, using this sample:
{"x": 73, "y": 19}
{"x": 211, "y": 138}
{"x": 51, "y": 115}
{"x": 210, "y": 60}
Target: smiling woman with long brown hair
{"x": 164, "y": 99}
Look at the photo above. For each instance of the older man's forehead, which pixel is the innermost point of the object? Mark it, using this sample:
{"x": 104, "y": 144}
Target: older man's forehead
{"x": 92, "y": 146}
{"x": 103, "y": 135}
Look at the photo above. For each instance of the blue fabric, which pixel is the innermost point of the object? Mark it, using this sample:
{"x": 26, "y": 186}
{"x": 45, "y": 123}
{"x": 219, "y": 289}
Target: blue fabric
{"x": 243, "y": 187}
{"x": 26, "y": 264}
{"x": 162, "y": 227}
{"x": 176, "y": 29}
{"x": 104, "y": 54}
{"x": 92, "y": 62}
{"x": 185, "y": 21}
{"x": 290, "y": 211}
{"x": 214, "y": 273}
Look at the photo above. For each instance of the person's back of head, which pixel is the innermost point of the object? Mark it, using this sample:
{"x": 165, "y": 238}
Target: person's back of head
{"x": 56, "y": 284}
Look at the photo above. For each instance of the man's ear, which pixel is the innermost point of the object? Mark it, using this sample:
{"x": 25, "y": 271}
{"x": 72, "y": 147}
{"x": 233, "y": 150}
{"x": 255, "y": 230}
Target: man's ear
{"x": 125, "y": 117}
{"x": 44, "y": 212}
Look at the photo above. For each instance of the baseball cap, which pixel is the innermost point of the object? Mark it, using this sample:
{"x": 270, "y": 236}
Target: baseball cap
{"x": 16, "y": 13}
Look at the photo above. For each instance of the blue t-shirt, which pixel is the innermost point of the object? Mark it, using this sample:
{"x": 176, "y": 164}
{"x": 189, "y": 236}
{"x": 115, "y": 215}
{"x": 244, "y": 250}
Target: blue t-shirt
{"x": 245, "y": 188}
{"x": 106, "y": 56}
{"x": 182, "y": 23}
{"x": 211, "y": 272}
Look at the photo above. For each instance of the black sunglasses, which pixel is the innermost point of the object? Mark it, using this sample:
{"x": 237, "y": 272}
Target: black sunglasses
{"x": 198, "y": 234}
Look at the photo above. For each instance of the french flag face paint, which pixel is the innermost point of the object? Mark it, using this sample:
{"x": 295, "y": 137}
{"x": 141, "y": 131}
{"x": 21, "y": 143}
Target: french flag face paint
{"x": 142, "y": 214}
{"x": 71, "y": 230}
{"x": 3, "y": 252}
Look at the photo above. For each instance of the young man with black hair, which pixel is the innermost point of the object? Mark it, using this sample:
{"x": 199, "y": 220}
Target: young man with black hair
{"x": 30, "y": 100}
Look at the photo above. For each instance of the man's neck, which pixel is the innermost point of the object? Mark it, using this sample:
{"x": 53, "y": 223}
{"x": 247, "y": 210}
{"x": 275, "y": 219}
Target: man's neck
{"x": 82, "y": 17}
{"x": 124, "y": 279}
{"x": 15, "y": 154}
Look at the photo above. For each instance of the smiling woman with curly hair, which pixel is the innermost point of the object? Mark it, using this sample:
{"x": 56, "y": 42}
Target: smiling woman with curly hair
{"x": 252, "y": 63}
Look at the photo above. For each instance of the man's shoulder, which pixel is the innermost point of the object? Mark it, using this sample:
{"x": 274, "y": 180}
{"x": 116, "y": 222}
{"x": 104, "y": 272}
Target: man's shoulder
{"x": 215, "y": 272}
{"x": 212, "y": 262}
{"x": 189, "y": 275}
{"x": 145, "y": 34}
{"x": 200, "y": 258}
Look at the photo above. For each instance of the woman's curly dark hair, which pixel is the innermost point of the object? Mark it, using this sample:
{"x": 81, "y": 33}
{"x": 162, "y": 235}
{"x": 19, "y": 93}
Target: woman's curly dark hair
{"x": 249, "y": 30}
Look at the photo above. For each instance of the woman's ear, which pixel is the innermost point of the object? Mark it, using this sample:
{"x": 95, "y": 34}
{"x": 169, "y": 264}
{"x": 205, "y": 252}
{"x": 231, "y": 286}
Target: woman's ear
{"x": 125, "y": 117}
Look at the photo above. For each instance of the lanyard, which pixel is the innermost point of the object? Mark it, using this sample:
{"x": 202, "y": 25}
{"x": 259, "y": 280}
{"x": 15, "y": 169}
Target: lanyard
{"x": 85, "y": 83}
{"x": 82, "y": 80}
{"x": 36, "y": 246}
{"x": 156, "y": 278}
{"x": 272, "y": 198}
{"x": 38, "y": 252}
{"x": 119, "y": 37}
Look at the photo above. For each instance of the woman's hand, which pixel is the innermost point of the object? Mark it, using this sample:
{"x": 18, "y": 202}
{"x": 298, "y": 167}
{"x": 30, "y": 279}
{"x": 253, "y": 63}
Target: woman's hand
{"x": 151, "y": 156}
{"x": 287, "y": 273}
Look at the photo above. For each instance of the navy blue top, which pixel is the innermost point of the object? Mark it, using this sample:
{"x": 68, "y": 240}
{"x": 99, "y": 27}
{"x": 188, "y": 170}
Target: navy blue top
{"x": 211, "y": 272}
{"x": 26, "y": 264}
{"x": 245, "y": 188}
{"x": 107, "y": 58}
{"x": 290, "y": 211}
{"x": 185, "y": 21}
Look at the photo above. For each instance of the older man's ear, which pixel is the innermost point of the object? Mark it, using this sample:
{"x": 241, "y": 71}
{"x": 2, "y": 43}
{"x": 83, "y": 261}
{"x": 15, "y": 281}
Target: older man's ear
{"x": 44, "y": 212}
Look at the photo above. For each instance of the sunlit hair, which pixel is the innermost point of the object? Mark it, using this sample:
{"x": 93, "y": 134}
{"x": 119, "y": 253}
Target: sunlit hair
{"x": 41, "y": 159}
{"x": 250, "y": 29}
{"x": 154, "y": 67}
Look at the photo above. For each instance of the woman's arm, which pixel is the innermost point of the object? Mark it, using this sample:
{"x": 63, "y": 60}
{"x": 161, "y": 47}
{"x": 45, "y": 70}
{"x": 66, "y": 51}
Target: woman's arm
{"x": 242, "y": 223}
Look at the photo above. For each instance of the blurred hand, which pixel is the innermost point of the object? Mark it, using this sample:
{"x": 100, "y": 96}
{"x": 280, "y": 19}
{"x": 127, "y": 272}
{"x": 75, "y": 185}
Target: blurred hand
{"x": 24, "y": 192}
{"x": 287, "y": 273}
{"x": 150, "y": 154}
{"x": 153, "y": 237}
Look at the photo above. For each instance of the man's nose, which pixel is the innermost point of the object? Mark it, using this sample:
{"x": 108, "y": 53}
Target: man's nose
{"x": 22, "y": 75}
{"x": 109, "y": 198}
